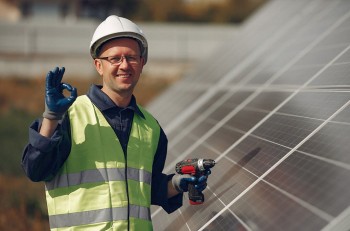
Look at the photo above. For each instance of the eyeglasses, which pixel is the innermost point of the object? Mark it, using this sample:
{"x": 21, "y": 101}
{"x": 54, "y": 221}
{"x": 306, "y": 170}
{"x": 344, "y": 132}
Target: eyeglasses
{"x": 117, "y": 60}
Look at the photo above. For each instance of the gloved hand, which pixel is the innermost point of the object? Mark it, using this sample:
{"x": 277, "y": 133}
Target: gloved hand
{"x": 56, "y": 104}
{"x": 180, "y": 182}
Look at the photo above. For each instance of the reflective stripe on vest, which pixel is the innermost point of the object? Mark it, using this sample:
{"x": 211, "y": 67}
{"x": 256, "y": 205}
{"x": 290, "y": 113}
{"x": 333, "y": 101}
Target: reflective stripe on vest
{"x": 101, "y": 215}
{"x": 89, "y": 192}
{"x": 98, "y": 175}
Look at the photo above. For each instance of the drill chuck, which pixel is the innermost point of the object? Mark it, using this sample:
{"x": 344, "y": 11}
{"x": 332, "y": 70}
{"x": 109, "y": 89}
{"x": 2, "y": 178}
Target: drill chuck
{"x": 205, "y": 164}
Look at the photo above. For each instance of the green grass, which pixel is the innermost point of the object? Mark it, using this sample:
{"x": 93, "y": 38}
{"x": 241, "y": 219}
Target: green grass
{"x": 13, "y": 138}
{"x": 21, "y": 200}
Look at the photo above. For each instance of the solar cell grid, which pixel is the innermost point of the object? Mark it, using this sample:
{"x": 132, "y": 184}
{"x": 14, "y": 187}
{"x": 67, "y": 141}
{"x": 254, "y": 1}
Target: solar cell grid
{"x": 339, "y": 73}
{"x": 319, "y": 56}
{"x": 313, "y": 181}
{"x": 266, "y": 208}
{"x": 176, "y": 104}
{"x": 223, "y": 138}
{"x": 297, "y": 76}
{"x": 343, "y": 116}
{"x": 245, "y": 119}
{"x": 186, "y": 141}
{"x": 286, "y": 130}
{"x": 268, "y": 100}
{"x": 257, "y": 154}
{"x": 316, "y": 105}
{"x": 332, "y": 143}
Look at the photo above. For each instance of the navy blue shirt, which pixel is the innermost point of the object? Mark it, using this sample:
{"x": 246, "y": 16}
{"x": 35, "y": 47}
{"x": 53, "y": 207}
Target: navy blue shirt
{"x": 43, "y": 157}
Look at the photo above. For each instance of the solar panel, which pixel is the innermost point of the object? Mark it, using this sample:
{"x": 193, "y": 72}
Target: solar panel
{"x": 273, "y": 109}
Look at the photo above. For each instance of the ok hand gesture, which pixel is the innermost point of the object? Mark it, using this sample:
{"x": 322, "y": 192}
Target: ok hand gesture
{"x": 56, "y": 104}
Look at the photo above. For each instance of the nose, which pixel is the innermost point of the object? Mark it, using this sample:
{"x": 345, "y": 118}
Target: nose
{"x": 124, "y": 63}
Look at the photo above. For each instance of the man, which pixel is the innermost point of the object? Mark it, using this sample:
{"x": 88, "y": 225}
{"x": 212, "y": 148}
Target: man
{"x": 101, "y": 155}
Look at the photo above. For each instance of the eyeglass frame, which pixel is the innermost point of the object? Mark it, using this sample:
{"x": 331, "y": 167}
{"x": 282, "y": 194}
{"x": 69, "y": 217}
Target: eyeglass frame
{"x": 122, "y": 57}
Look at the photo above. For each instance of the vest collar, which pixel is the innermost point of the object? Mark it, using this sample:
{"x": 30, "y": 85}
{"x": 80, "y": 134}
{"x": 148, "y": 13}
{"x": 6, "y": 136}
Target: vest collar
{"x": 103, "y": 102}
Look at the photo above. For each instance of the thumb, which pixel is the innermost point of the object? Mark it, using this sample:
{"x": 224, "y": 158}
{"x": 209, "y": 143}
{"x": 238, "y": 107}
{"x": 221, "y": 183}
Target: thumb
{"x": 72, "y": 90}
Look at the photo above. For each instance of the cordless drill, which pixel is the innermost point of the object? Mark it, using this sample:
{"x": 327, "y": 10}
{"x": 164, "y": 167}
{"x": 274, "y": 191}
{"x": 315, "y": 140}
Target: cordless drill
{"x": 195, "y": 167}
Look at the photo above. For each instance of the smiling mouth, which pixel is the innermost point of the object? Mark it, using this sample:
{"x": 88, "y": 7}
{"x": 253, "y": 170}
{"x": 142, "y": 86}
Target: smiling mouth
{"x": 124, "y": 75}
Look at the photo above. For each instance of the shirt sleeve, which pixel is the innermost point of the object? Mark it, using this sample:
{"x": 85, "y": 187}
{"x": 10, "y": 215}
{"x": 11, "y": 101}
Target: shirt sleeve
{"x": 160, "y": 180}
{"x": 43, "y": 157}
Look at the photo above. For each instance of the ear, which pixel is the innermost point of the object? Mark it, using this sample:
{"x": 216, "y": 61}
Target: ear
{"x": 98, "y": 66}
{"x": 142, "y": 63}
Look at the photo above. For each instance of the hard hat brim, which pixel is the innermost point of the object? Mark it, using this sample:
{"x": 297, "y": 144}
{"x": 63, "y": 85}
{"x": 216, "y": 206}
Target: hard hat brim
{"x": 100, "y": 42}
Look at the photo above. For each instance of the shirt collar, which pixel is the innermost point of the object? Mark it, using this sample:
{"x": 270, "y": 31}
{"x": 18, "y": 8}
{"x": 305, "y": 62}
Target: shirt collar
{"x": 103, "y": 102}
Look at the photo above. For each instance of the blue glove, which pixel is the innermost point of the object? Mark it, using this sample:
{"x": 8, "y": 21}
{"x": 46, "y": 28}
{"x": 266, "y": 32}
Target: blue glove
{"x": 56, "y": 104}
{"x": 180, "y": 182}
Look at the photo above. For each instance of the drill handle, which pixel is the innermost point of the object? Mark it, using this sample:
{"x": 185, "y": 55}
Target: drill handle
{"x": 196, "y": 197}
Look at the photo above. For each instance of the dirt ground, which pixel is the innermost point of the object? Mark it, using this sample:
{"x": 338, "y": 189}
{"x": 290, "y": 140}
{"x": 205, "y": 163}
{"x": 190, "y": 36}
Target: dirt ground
{"x": 28, "y": 94}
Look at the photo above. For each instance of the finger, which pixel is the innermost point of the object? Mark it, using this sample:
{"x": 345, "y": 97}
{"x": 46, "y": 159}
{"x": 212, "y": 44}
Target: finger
{"x": 189, "y": 178}
{"x": 72, "y": 90}
{"x": 66, "y": 86}
{"x": 50, "y": 79}
{"x": 73, "y": 95}
{"x": 59, "y": 75}
{"x": 202, "y": 179}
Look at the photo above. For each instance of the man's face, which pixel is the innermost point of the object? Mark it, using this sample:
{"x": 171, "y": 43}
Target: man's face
{"x": 120, "y": 78}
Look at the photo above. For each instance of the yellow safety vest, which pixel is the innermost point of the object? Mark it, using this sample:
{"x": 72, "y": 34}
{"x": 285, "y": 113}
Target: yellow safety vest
{"x": 96, "y": 188}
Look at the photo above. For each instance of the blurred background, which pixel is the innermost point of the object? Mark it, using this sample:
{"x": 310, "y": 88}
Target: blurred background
{"x": 38, "y": 35}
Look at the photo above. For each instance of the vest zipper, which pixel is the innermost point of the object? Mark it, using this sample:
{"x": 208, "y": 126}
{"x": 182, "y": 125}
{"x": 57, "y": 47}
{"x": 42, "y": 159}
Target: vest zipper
{"x": 126, "y": 167}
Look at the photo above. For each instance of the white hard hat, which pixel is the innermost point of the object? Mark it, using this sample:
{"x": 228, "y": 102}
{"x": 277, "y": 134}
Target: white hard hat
{"x": 117, "y": 27}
